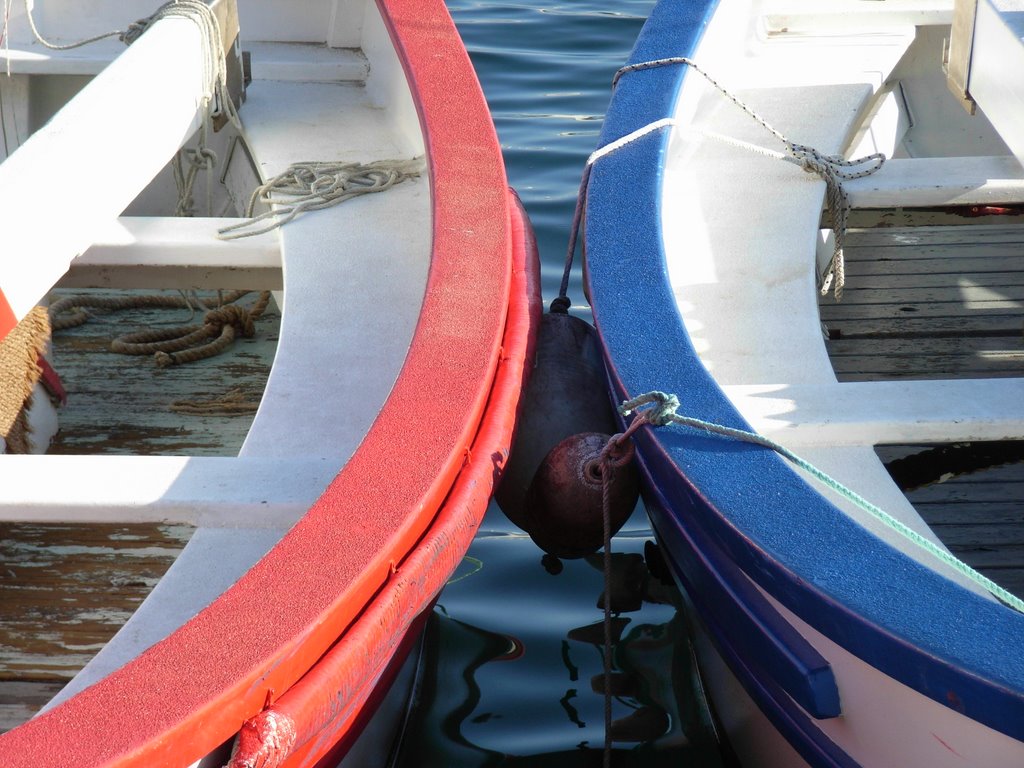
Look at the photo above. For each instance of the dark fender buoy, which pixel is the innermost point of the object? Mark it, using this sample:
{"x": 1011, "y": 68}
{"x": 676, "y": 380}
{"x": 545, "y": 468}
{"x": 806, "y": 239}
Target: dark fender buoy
{"x": 567, "y": 395}
{"x": 565, "y": 502}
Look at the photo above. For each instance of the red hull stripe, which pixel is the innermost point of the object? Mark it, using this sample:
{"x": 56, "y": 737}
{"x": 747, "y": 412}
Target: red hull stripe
{"x": 324, "y": 706}
{"x": 7, "y": 317}
{"x": 189, "y": 693}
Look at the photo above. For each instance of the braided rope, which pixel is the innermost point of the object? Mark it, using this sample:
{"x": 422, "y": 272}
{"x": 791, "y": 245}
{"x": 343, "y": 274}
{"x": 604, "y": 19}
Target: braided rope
{"x": 662, "y": 412}
{"x": 832, "y": 169}
{"x": 312, "y": 186}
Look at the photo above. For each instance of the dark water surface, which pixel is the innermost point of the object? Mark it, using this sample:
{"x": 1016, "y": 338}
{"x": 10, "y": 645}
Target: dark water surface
{"x": 515, "y": 643}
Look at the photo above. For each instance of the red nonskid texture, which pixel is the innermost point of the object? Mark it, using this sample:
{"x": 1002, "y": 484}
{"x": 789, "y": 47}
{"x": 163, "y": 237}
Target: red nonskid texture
{"x": 187, "y": 694}
{"x": 325, "y": 705}
{"x": 7, "y": 317}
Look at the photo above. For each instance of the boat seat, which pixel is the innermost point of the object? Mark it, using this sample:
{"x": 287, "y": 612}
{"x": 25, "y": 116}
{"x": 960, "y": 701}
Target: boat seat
{"x": 737, "y": 263}
{"x": 295, "y": 62}
{"x": 911, "y": 183}
{"x": 875, "y": 412}
{"x": 802, "y": 17}
{"x": 176, "y": 252}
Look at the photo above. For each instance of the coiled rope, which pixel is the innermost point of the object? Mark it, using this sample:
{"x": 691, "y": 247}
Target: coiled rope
{"x": 221, "y": 325}
{"x": 662, "y": 412}
{"x": 311, "y": 186}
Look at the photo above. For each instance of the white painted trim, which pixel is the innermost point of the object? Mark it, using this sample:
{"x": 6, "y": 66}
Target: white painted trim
{"x": 877, "y": 412}
{"x": 201, "y": 491}
{"x": 176, "y": 252}
{"x": 76, "y": 174}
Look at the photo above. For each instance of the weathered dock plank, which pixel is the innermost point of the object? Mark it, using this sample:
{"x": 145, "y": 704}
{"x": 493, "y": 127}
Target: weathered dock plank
{"x": 66, "y": 589}
{"x": 934, "y": 302}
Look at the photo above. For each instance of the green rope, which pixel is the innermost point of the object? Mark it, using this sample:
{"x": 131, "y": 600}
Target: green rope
{"x": 663, "y": 412}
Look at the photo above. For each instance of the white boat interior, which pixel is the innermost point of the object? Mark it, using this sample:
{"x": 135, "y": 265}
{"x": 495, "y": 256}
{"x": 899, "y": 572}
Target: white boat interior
{"x": 856, "y": 78}
{"x": 102, "y": 128}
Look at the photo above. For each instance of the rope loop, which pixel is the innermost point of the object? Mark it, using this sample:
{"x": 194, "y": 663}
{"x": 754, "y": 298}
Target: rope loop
{"x": 663, "y": 412}
{"x": 659, "y": 415}
{"x": 618, "y": 451}
{"x": 202, "y": 158}
{"x": 832, "y": 169}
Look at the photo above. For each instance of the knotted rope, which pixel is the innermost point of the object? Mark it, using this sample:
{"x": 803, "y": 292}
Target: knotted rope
{"x": 311, "y": 186}
{"x": 169, "y": 346}
{"x": 833, "y": 170}
{"x": 216, "y": 100}
{"x": 662, "y": 412}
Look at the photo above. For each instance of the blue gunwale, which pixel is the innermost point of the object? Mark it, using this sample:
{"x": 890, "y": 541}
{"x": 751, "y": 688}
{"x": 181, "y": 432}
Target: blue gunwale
{"x": 934, "y": 636}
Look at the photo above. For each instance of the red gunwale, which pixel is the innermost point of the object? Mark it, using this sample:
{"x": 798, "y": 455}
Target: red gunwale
{"x": 324, "y": 723}
{"x": 187, "y": 694}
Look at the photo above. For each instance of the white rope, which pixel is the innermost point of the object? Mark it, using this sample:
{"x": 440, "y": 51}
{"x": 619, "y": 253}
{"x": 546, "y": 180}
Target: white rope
{"x": 67, "y": 46}
{"x": 216, "y": 100}
{"x": 312, "y": 186}
{"x": 629, "y": 138}
{"x": 833, "y": 169}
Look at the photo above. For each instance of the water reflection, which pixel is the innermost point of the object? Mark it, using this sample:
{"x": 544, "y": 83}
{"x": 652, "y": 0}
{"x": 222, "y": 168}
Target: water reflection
{"x": 513, "y": 669}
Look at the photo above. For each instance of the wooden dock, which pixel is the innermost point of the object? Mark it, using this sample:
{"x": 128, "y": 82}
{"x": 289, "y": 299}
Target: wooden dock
{"x": 931, "y": 302}
{"x": 66, "y": 589}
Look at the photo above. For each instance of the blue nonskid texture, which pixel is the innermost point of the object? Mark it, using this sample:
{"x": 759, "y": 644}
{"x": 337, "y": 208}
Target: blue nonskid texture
{"x": 957, "y": 647}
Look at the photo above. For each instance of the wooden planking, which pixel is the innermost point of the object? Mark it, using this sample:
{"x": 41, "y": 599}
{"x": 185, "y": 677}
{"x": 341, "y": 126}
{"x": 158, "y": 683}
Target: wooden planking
{"x": 126, "y": 404}
{"x": 930, "y": 303}
{"x": 19, "y": 700}
{"x": 65, "y": 589}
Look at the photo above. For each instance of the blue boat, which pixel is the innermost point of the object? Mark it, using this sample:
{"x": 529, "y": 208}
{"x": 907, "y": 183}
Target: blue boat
{"x": 755, "y": 156}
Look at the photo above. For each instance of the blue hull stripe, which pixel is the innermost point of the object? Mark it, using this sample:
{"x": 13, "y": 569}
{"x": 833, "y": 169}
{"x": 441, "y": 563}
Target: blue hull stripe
{"x": 958, "y": 648}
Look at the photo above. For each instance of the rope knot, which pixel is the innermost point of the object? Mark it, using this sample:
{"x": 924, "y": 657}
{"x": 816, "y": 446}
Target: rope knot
{"x": 662, "y": 412}
{"x": 617, "y": 452}
{"x": 203, "y": 158}
{"x": 231, "y": 314}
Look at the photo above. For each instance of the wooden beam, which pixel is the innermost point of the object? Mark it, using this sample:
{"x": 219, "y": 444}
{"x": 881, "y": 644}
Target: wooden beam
{"x": 783, "y": 17}
{"x": 997, "y": 60}
{"x": 76, "y": 174}
{"x": 939, "y": 181}
{"x": 181, "y": 253}
{"x": 201, "y": 491}
{"x": 878, "y": 412}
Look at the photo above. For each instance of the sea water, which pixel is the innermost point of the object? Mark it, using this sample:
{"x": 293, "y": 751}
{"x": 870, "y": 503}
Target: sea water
{"x": 513, "y": 654}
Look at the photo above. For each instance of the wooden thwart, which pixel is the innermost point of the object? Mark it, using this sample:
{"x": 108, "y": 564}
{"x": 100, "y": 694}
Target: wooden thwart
{"x": 872, "y": 412}
{"x": 176, "y": 252}
{"x": 208, "y": 491}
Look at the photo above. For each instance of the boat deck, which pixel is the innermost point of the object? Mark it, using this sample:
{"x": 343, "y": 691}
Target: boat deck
{"x": 933, "y": 302}
{"x": 66, "y": 589}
